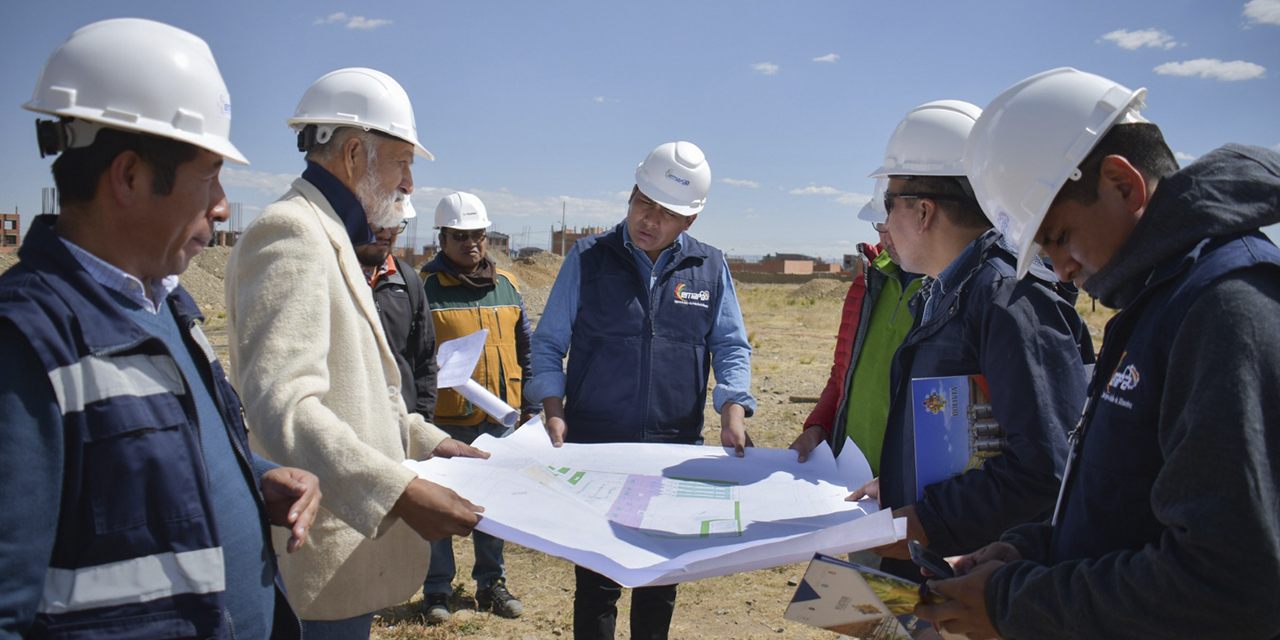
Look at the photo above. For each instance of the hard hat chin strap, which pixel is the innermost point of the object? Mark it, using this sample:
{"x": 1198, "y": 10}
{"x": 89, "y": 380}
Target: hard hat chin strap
{"x": 56, "y": 136}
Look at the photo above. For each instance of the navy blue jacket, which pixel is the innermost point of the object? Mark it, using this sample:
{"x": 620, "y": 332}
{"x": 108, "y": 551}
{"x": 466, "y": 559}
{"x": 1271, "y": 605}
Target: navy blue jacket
{"x": 1169, "y": 525}
{"x": 134, "y": 493}
{"x": 1028, "y": 341}
{"x": 638, "y": 359}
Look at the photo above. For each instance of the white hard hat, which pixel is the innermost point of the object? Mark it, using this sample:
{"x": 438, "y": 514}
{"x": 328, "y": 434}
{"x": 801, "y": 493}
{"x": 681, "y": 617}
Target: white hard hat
{"x": 406, "y": 206}
{"x": 930, "y": 140}
{"x": 1030, "y": 141}
{"x": 134, "y": 75}
{"x": 873, "y": 210}
{"x": 358, "y": 97}
{"x": 676, "y": 175}
{"x": 461, "y": 210}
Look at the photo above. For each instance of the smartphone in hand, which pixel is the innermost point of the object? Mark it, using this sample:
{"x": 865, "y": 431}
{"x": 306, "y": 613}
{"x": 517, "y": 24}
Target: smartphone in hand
{"x": 922, "y": 556}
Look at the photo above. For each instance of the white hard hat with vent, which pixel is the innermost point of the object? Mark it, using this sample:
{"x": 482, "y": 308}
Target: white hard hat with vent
{"x": 929, "y": 141}
{"x": 676, "y": 175}
{"x": 357, "y": 97}
{"x": 873, "y": 210}
{"x": 1030, "y": 141}
{"x": 134, "y": 75}
{"x": 461, "y": 210}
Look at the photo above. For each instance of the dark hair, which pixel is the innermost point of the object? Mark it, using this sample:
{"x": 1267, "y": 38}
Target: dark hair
{"x": 1141, "y": 143}
{"x": 962, "y": 210}
{"x": 76, "y": 171}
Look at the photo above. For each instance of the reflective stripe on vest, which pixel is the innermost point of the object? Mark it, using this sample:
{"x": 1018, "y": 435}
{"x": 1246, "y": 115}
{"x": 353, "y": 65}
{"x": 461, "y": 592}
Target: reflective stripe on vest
{"x": 95, "y": 378}
{"x": 132, "y": 581}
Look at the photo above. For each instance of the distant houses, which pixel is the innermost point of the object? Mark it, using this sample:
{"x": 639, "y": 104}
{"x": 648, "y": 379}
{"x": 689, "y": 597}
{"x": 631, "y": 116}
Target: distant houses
{"x": 10, "y": 238}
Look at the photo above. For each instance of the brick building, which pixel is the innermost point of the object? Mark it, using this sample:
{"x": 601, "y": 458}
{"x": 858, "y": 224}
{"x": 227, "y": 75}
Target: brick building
{"x": 10, "y": 236}
{"x": 562, "y": 240}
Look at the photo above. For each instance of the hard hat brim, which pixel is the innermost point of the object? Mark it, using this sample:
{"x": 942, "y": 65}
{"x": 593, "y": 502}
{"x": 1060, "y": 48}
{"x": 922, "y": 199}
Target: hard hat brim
{"x": 871, "y": 213}
{"x": 657, "y": 196}
{"x": 148, "y": 126}
{"x": 297, "y": 124}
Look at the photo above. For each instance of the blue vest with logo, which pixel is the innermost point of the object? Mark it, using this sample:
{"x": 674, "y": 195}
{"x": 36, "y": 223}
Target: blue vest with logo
{"x": 1106, "y": 503}
{"x": 136, "y": 552}
{"x": 638, "y": 359}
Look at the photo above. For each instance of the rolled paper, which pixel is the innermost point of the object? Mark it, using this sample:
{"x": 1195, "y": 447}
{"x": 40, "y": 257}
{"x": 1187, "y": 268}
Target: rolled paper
{"x": 488, "y": 403}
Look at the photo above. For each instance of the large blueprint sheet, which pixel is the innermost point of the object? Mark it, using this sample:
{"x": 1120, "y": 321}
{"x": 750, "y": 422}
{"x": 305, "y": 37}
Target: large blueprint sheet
{"x": 650, "y": 514}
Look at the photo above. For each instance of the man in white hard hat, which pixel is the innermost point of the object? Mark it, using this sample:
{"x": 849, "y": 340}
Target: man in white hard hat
{"x": 1167, "y": 523}
{"x": 397, "y": 292}
{"x": 132, "y": 504}
{"x": 319, "y": 379}
{"x": 874, "y": 321}
{"x": 644, "y": 312}
{"x": 979, "y": 326}
{"x": 467, "y": 292}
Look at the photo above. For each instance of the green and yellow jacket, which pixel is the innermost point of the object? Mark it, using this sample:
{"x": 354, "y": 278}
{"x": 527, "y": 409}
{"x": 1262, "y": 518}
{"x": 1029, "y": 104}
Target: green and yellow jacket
{"x": 461, "y": 306}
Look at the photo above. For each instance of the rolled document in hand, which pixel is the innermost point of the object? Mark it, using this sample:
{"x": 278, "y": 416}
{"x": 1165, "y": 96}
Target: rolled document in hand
{"x": 457, "y": 359}
{"x": 489, "y": 403}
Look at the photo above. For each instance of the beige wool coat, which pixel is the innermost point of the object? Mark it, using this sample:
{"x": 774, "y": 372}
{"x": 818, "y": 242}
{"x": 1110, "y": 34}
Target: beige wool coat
{"x": 321, "y": 392}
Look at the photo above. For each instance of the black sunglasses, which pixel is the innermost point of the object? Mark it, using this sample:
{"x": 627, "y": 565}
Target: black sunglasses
{"x": 890, "y": 195}
{"x": 462, "y": 236}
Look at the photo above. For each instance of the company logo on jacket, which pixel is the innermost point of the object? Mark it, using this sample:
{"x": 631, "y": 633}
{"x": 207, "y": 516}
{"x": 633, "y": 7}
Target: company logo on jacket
{"x": 686, "y": 295}
{"x": 1122, "y": 379}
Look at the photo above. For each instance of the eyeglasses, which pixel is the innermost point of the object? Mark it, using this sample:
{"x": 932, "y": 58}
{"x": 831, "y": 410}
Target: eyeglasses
{"x": 404, "y": 224}
{"x": 881, "y": 227}
{"x": 462, "y": 236}
{"x": 890, "y": 195}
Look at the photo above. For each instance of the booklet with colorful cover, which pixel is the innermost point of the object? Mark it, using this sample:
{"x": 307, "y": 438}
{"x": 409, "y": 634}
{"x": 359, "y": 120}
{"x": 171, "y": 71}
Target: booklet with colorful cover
{"x": 955, "y": 429}
{"x": 858, "y": 601}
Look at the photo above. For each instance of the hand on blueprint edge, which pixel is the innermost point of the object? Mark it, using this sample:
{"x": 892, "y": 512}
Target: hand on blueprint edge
{"x": 808, "y": 440}
{"x": 436, "y": 512}
{"x": 556, "y": 428}
{"x": 450, "y": 448}
{"x": 733, "y": 428}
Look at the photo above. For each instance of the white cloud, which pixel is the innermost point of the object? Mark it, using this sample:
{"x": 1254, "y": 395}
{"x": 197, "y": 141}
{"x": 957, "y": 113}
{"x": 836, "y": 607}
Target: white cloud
{"x": 368, "y": 24}
{"x": 813, "y": 190}
{"x": 847, "y": 198}
{"x": 765, "y": 68}
{"x": 853, "y": 199}
{"x": 1262, "y": 11}
{"x": 271, "y": 185}
{"x": 740, "y": 183}
{"x": 1213, "y": 68}
{"x": 830, "y": 57}
{"x": 1131, "y": 40}
{"x": 599, "y": 99}
{"x": 1183, "y": 157}
{"x": 353, "y": 22}
{"x": 506, "y": 205}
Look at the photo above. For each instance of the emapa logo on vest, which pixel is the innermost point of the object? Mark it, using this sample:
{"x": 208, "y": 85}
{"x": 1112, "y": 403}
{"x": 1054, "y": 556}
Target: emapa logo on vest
{"x": 1125, "y": 379}
{"x": 685, "y": 295}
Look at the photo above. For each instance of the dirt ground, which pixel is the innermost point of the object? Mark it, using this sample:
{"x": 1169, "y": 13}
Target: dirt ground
{"x": 792, "y": 331}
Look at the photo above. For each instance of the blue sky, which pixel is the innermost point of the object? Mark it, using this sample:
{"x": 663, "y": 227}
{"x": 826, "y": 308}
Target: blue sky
{"x": 538, "y": 105}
